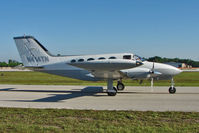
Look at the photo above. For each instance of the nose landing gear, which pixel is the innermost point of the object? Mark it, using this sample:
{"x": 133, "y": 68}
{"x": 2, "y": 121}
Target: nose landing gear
{"x": 172, "y": 89}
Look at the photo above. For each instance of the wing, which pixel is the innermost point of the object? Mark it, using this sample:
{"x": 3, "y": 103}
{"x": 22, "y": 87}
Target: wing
{"x": 109, "y": 68}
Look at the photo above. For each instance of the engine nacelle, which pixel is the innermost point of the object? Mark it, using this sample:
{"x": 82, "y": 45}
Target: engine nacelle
{"x": 141, "y": 73}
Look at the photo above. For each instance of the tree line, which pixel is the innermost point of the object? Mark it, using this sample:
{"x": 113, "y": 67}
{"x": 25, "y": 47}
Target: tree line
{"x": 11, "y": 63}
{"x": 163, "y": 60}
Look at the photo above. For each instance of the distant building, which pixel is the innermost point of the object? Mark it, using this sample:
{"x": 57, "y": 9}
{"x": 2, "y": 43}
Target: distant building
{"x": 178, "y": 65}
{"x": 175, "y": 64}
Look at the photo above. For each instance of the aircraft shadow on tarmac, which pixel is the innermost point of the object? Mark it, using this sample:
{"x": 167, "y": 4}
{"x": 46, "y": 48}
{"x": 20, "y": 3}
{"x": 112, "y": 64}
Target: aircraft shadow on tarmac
{"x": 87, "y": 91}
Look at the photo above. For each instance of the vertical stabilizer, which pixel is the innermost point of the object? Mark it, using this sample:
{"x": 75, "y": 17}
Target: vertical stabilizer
{"x": 32, "y": 53}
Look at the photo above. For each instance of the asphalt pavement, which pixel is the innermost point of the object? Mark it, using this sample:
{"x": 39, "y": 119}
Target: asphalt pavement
{"x": 94, "y": 97}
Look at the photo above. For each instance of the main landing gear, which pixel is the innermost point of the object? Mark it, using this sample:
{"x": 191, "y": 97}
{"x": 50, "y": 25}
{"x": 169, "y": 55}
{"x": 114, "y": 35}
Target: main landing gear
{"x": 172, "y": 89}
{"x": 111, "y": 90}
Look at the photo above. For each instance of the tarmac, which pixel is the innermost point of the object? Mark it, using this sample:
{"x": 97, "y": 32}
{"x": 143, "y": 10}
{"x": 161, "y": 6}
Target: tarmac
{"x": 133, "y": 98}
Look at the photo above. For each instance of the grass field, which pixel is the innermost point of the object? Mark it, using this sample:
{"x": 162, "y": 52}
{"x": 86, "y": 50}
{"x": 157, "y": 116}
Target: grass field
{"x": 37, "y": 78}
{"x": 54, "y": 120}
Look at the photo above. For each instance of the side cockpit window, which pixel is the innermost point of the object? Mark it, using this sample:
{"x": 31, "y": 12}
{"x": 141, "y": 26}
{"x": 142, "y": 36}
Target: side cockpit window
{"x": 128, "y": 57}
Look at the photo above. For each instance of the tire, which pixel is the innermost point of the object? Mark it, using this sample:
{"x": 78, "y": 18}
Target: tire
{"x": 120, "y": 86}
{"x": 112, "y": 93}
{"x": 172, "y": 90}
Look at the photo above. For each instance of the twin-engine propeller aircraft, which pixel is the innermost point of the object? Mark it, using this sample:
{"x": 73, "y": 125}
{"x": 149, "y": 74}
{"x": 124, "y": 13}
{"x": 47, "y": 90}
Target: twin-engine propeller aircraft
{"x": 93, "y": 67}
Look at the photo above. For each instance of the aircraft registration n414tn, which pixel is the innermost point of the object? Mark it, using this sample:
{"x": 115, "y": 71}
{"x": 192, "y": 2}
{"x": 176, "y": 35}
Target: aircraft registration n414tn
{"x": 108, "y": 67}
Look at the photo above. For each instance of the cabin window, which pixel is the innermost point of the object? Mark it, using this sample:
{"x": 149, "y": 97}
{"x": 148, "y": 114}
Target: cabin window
{"x": 90, "y": 59}
{"x": 73, "y": 61}
{"x": 80, "y": 60}
{"x": 101, "y": 58}
{"x": 128, "y": 57}
{"x": 112, "y": 57}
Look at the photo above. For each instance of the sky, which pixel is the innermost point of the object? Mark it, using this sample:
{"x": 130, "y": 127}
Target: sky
{"x": 166, "y": 28}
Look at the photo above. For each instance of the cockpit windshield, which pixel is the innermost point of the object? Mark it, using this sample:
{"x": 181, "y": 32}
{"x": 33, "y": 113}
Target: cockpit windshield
{"x": 138, "y": 58}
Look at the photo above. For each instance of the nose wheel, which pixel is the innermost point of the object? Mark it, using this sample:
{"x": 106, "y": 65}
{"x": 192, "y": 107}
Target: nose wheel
{"x": 172, "y": 90}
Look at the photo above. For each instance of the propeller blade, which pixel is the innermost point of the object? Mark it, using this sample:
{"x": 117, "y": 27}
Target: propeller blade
{"x": 151, "y": 84}
{"x": 153, "y": 67}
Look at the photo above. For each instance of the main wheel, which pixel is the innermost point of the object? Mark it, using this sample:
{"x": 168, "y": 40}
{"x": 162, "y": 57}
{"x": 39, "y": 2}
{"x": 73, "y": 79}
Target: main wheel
{"x": 172, "y": 90}
{"x": 120, "y": 86}
{"x": 113, "y": 92}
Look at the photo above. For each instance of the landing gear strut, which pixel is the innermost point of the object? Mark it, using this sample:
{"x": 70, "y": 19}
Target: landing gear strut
{"x": 120, "y": 86}
{"x": 111, "y": 91}
{"x": 172, "y": 89}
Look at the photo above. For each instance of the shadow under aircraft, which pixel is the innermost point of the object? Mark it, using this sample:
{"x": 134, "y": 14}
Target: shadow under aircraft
{"x": 87, "y": 91}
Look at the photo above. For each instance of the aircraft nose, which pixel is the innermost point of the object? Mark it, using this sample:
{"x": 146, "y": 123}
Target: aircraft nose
{"x": 166, "y": 69}
{"x": 176, "y": 71}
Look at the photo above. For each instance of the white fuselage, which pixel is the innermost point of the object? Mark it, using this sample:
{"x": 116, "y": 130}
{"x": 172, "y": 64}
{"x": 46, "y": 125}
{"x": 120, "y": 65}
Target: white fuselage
{"x": 61, "y": 66}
